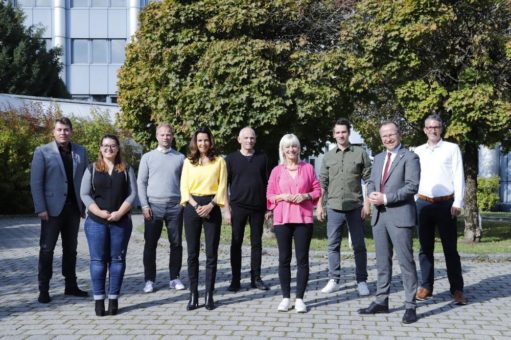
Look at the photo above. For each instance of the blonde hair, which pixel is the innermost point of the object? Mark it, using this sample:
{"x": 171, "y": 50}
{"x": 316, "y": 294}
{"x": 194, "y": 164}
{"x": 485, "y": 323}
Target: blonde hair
{"x": 287, "y": 140}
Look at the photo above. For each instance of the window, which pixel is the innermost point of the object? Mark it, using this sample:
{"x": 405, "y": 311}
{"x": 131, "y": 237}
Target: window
{"x": 25, "y": 3}
{"x": 99, "y": 51}
{"x": 99, "y": 98}
{"x": 113, "y": 99}
{"x": 80, "y": 51}
{"x": 117, "y": 51}
{"x": 43, "y": 3}
{"x": 95, "y": 3}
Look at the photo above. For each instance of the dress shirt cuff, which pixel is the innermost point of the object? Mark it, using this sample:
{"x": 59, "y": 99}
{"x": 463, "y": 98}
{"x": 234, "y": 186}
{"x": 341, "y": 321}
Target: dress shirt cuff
{"x": 384, "y": 199}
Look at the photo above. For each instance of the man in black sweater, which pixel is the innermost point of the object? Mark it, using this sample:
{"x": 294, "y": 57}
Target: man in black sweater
{"x": 247, "y": 171}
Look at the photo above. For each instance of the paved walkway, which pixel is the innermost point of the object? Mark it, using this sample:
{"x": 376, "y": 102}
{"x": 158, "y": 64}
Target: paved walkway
{"x": 246, "y": 314}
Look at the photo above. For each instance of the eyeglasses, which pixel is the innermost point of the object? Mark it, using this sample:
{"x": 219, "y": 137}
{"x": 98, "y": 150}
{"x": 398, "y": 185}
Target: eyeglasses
{"x": 429, "y": 128}
{"x": 111, "y": 147}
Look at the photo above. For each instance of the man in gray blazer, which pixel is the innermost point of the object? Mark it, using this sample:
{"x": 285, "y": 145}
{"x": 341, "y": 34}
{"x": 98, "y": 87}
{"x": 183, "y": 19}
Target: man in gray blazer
{"x": 391, "y": 188}
{"x": 55, "y": 178}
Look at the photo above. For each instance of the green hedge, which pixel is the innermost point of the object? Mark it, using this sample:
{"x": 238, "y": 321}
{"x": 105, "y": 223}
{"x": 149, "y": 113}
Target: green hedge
{"x": 23, "y": 130}
{"x": 488, "y": 193}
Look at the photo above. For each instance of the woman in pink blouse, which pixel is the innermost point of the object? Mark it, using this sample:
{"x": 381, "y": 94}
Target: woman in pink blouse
{"x": 293, "y": 190}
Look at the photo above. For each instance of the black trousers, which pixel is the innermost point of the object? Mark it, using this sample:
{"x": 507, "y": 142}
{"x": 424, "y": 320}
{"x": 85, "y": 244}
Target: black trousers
{"x": 66, "y": 224}
{"x": 302, "y": 234}
{"x": 193, "y": 228}
{"x": 239, "y": 218}
{"x": 172, "y": 215}
{"x": 432, "y": 215}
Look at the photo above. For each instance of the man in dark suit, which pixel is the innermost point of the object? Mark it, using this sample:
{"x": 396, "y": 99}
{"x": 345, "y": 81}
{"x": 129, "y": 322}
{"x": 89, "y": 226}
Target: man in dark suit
{"x": 55, "y": 178}
{"x": 391, "y": 188}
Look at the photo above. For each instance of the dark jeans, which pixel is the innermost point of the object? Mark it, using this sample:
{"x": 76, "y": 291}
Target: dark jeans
{"x": 239, "y": 218}
{"x": 172, "y": 215}
{"x": 302, "y": 234}
{"x": 193, "y": 227}
{"x": 432, "y": 215}
{"x": 67, "y": 224}
{"x": 337, "y": 219}
{"x": 108, "y": 244}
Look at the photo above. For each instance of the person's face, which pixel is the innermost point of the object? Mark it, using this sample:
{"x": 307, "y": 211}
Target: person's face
{"x": 62, "y": 133}
{"x": 109, "y": 149}
{"x": 390, "y": 136}
{"x": 164, "y": 137}
{"x": 342, "y": 135}
{"x": 291, "y": 152}
{"x": 433, "y": 130}
{"x": 247, "y": 139}
{"x": 203, "y": 143}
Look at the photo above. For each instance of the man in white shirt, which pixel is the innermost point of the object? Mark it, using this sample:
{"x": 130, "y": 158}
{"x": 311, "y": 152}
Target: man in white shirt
{"x": 440, "y": 200}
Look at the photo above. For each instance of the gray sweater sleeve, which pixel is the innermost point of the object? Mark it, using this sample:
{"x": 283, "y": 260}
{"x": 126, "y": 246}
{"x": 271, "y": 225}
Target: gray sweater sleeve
{"x": 86, "y": 189}
{"x": 142, "y": 181}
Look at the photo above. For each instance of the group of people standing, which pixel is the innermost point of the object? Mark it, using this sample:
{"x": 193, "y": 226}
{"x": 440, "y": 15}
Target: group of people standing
{"x": 175, "y": 190}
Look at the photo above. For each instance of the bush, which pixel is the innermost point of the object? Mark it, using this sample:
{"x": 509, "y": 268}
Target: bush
{"x": 488, "y": 192}
{"x": 21, "y": 131}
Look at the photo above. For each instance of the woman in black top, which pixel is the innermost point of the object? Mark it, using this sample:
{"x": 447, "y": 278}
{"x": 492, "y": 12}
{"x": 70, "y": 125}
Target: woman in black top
{"x": 108, "y": 191}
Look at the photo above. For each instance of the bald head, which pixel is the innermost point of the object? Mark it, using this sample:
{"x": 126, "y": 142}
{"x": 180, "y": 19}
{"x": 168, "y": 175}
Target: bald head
{"x": 247, "y": 140}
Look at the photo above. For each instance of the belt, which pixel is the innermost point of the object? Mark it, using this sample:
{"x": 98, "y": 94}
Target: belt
{"x": 436, "y": 199}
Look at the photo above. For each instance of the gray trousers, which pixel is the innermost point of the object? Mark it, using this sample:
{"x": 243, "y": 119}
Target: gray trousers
{"x": 336, "y": 221}
{"x": 386, "y": 238}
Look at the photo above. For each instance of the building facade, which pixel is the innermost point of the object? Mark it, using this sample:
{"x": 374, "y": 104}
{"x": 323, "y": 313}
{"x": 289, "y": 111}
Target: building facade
{"x": 92, "y": 35}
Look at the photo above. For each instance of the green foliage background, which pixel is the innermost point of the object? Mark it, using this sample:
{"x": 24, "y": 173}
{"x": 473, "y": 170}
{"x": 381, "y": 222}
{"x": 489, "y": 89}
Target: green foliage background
{"x": 488, "y": 193}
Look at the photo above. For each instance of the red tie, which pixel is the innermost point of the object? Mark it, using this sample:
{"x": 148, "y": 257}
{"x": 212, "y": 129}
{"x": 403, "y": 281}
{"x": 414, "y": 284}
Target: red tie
{"x": 385, "y": 172}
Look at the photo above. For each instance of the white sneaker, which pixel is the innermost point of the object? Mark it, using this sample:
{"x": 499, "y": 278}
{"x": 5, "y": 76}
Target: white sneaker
{"x": 284, "y": 305}
{"x": 148, "y": 288}
{"x": 330, "y": 287}
{"x": 363, "y": 289}
{"x": 176, "y": 284}
{"x": 300, "y": 306}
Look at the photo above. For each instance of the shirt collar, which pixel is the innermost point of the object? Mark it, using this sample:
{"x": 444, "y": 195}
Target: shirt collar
{"x": 339, "y": 149}
{"x": 436, "y": 146}
{"x": 163, "y": 150}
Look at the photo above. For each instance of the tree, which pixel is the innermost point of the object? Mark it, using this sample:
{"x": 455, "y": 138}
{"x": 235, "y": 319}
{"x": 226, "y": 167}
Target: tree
{"x": 232, "y": 63}
{"x": 408, "y": 59}
{"x": 26, "y": 66}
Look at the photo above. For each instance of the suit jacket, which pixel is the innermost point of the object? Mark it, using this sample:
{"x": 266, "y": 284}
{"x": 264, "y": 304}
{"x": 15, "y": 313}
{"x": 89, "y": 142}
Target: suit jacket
{"x": 400, "y": 187}
{"x": 48, "y": 178}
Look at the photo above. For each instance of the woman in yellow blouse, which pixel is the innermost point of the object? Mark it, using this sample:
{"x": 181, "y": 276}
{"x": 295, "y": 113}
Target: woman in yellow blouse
{"x": 203, "y": 188}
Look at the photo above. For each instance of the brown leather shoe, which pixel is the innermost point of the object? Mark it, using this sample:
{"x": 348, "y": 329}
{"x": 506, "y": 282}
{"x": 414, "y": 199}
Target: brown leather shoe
{"x": 458, "y": 298}
{"x": 423, "y": 294}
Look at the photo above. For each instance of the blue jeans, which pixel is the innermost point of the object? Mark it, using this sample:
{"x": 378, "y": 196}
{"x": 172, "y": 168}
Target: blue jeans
{"x": 172, "y": 214}
{"x": 107, "y": 247}
{"x": 336, "y": 221}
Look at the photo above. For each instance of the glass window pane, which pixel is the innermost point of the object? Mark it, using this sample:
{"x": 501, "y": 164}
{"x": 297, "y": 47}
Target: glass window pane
{"x": 118, "y": 51}
{"x": 99, "y": 51}
{"x": 48, "y": 42}
{"x": 99, "y": 98}
{"x": 118, "y": 3}
{"x": 80, "y": 53}
{"x": 99, "y": 3}
{"x": 26, "y": 3}
{"x": 80, "y": 3}
{"x": 43, "y": 3}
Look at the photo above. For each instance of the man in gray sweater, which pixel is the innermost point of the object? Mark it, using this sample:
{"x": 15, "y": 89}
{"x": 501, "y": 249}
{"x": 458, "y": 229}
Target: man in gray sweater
{"x": 158, "y": 181}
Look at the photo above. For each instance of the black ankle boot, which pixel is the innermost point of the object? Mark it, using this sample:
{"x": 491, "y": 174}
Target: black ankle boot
{"x": 100, "y": 308}
{"x": 193, "y": 301}
{"x": 210, "y": 303}
{"x": 113, "y": 306}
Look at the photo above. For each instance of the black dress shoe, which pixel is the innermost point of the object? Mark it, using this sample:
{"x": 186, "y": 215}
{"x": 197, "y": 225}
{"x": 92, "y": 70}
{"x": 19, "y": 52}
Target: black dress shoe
{"x": 234, "y": 287}
{"x": 374, "y": 308}
{"x": 100, "y": 307}
{"x": 410, "y": 316}
{"x": 193, "y": 301}
{"x": 113, "y": 306}
{"x": 75, "y": 291}
{"x": 259, "y": 284}
{"x": 44, "y": 297}
{"x": 210, "y": 303}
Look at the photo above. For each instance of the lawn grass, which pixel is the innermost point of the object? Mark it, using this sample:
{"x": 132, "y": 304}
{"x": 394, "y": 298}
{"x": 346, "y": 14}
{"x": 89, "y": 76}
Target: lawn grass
{"x": 496, "y": 238}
